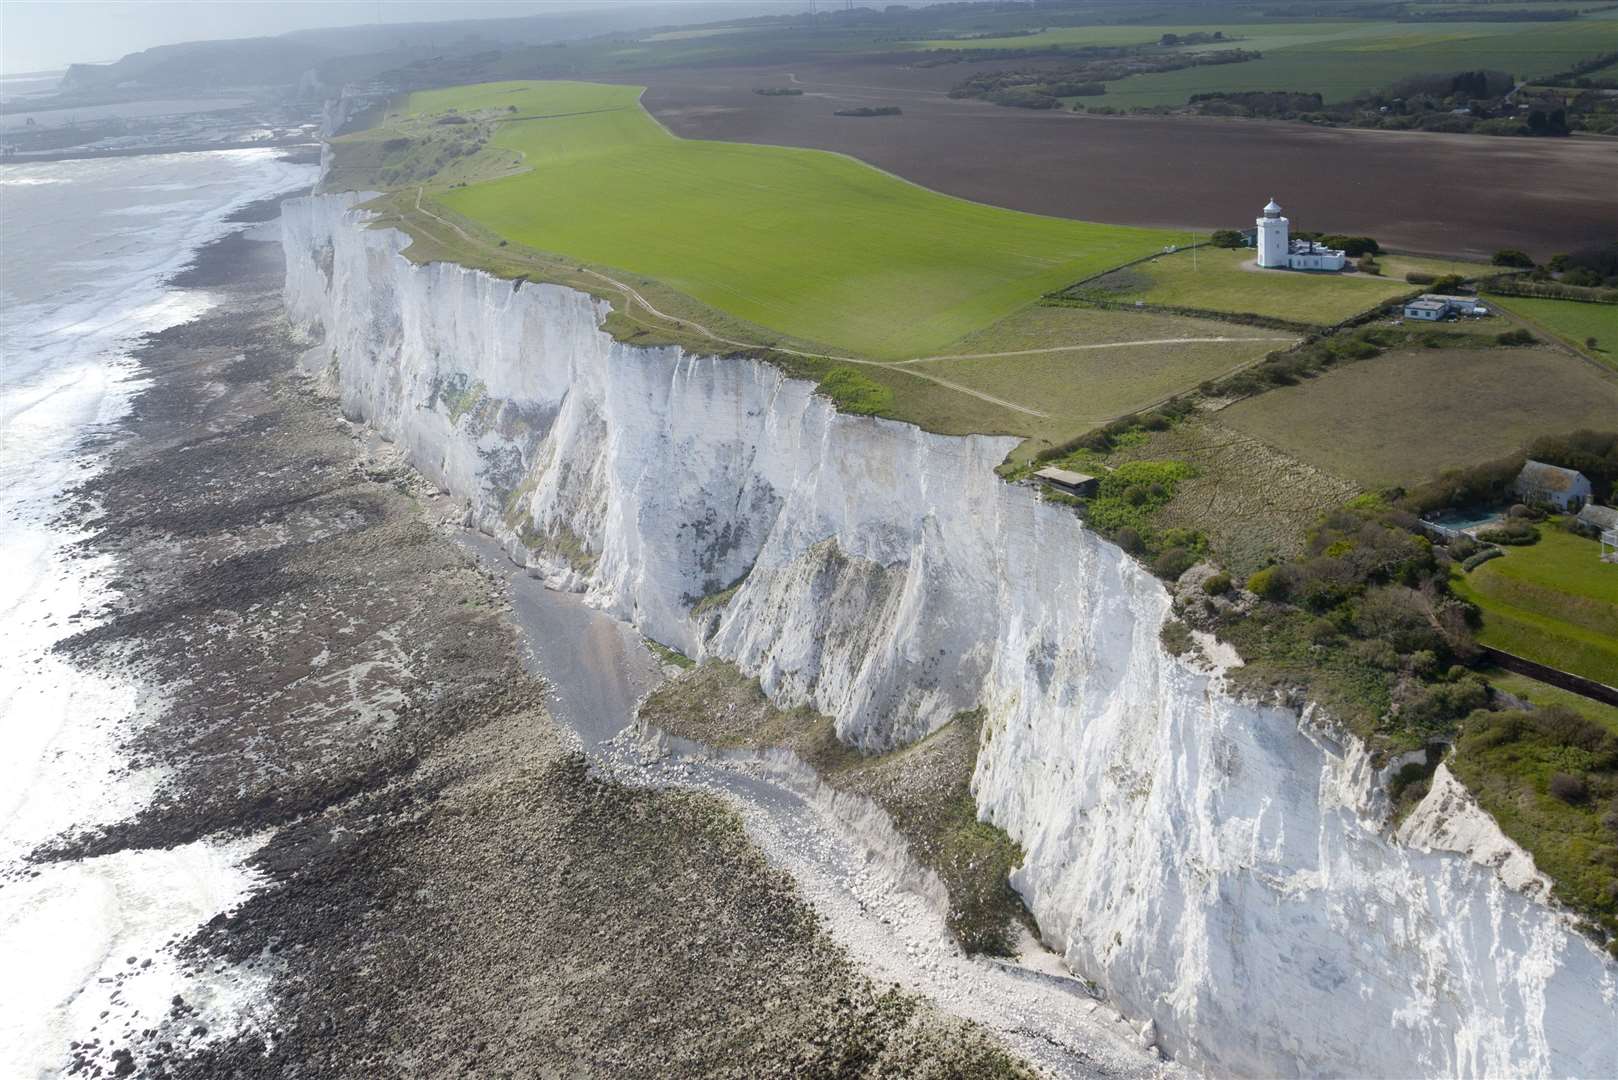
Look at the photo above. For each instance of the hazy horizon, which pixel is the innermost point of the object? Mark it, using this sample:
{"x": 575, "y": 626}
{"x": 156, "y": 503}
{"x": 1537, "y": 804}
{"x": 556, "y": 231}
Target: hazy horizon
{"x": 48, "y": 35}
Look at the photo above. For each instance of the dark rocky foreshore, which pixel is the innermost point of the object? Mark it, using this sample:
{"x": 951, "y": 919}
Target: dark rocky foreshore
{"x": 449, "y": 890}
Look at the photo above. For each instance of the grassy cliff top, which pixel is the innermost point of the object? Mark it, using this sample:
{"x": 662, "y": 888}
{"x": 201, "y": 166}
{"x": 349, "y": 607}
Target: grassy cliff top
{"x": 807, "y": 243}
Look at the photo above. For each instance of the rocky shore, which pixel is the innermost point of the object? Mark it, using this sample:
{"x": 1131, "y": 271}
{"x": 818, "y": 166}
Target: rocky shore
{"x": 447, "y": 889}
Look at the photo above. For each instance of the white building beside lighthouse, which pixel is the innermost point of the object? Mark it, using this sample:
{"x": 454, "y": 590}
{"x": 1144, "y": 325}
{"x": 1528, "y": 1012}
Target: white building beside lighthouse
{"x": 1277, "y": 251}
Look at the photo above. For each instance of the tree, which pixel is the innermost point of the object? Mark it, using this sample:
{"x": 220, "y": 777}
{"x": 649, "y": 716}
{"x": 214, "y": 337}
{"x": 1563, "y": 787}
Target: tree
{"x": 1512, "y": 257}
{"x": 1169, "y": 39}
{"x": 1226, "y": 238}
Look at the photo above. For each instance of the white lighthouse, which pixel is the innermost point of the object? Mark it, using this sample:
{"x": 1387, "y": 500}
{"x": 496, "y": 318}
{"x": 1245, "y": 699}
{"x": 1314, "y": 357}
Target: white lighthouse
{"x": 1278, "y": 251}
{"x": 1272, "y": 237}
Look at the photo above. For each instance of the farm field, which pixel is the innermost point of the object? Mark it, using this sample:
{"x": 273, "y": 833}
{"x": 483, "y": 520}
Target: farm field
{"x": 1405, "y": 416}
{"x": 808, "y": 244}
{"x": 1109, "y": 168}
{"x": 1225, "y": 279}
{"x": 1340, "y": 63}
{"x": 1553, "y": 602}
{"x": 1572, "y": 321}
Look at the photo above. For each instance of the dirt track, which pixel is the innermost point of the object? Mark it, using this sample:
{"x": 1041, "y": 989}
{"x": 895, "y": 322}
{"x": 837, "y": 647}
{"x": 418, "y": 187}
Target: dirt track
{"x": 1455, "y": 194}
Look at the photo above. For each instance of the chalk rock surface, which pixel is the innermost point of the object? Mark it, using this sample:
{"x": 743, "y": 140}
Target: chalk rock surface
{"x": 1220, "y": 867}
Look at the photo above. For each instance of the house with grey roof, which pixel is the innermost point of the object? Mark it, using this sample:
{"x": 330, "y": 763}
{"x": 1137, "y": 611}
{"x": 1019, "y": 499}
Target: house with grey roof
{"x": 1552, "y": 485}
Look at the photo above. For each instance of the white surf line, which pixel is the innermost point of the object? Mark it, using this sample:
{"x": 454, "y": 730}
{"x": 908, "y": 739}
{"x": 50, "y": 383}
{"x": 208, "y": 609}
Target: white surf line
{"x": 1076, "y": 348}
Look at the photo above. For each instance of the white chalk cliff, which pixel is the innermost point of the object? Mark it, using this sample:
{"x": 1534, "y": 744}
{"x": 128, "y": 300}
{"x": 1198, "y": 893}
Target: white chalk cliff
{"x": 1220, "y": 867}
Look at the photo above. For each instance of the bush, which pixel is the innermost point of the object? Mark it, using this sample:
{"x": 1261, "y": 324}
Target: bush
{"x": 1472, "y": 562}
{"x": 855, "y": 393}
{"x": 1129, "y": 539}
{"x": 1568, "y": 788}
{"x": 1514, "y": 337}
{"x": 1448, "y": 283}
{"x": 1172, "y": 563}
{"x": 1270, "y": 583}
{"x": 1512, "y": 257}
{"x": 1217, "y": 585}
{"x": 1514, "y": 532}
{"x": 1226, "y": 238}
{"x": 1416, "y": 277}
{"x": 1424, "y": 663}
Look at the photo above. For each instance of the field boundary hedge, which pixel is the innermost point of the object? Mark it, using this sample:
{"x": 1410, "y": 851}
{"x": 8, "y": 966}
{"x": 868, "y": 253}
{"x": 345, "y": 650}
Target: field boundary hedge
{"x": 1551, "y": 291}
{"x": 1060, "y": 299}
{"x": 1565, "y": 680}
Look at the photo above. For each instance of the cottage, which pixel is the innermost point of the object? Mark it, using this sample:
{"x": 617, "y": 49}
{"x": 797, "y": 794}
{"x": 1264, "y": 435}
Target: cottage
{"x": 1069, "y": 482}
{"x": 1552, "y": 485}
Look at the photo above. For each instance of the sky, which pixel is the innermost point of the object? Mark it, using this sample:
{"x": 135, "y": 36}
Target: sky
{"x": 44, "y": 35}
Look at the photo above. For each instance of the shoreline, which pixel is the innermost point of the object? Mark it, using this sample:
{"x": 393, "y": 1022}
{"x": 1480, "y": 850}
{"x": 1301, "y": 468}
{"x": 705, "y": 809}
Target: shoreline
{"x": 446, "y": 886}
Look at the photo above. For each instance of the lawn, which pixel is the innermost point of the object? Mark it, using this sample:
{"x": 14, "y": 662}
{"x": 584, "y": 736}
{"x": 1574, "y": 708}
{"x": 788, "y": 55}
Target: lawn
{"x": 1406, "y": 415}
{"x": 1554, "y": 602}
{"x": 1573, "y": 321}
{"x": 803, "y": 242}
{"x": 1339, "y": 61}
{"x": 1225, "y": 279}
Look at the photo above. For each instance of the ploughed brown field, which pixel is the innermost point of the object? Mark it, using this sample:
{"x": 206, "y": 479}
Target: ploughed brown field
{"x": 1442, "y": 194}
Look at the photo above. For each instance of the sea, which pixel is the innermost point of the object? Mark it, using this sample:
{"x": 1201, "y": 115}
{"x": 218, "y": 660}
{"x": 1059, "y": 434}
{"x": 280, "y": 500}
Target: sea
{"x": 87, "y": 249}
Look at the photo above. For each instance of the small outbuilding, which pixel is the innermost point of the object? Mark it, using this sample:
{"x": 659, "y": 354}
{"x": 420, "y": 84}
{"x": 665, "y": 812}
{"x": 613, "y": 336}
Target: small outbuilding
{"x": 1552, "y": 485}
{"x": 1427, "y": 309}
{"x": 1598, "y": 519}
{"x": 1600, "y": 523}
{"x": 1068, "y": 482}
{"x": 1432, "y": 307}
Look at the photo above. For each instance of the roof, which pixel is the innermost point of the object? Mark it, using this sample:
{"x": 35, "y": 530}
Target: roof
{"x": 1272, "y": 207}
{"x": 1064, "y": 476}
{"x": 1427, "y": 305}
{"x": 1549, "y": 477}
{"x": 1602, "y": 517}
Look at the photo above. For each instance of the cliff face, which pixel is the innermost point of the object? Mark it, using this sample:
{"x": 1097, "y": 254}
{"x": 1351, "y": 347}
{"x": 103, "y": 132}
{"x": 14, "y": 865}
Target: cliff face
{"x": 1217, "y": 866}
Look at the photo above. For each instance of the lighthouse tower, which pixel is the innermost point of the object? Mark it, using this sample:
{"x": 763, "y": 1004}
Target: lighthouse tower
{"x": 1272, "y": 237}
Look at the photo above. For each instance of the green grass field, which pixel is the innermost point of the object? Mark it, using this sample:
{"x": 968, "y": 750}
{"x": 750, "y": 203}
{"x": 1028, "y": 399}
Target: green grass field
{"x": 1224, "y": 279}
{"x": 807, "y": 243}
{"x": 1553, "y": 602}
{"x": 1406, "y": 415}
{"x": 1572, "y": 321}
{"x": 1339, "y": 61}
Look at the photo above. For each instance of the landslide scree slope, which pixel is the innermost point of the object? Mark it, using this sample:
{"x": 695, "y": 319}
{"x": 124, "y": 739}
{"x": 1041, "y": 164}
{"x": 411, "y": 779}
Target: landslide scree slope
{"x": 802, "y": 241}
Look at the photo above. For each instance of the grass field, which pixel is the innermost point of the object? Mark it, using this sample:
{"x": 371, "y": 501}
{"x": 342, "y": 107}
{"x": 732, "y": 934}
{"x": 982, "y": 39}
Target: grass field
{"x": 1404, "y": 416}
{"x": 1339, "y": 61}
{"x": 1224, "y": 279}
{"x": 1255, "y": 504}
{"x": 1085, "y": 366}
{"x": 810, "y": 244}
{"x": 1572, "y": 321}
{"x": 1553, "y": 602}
